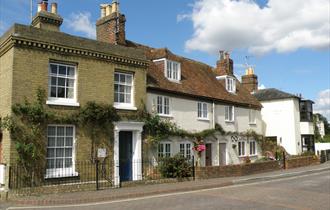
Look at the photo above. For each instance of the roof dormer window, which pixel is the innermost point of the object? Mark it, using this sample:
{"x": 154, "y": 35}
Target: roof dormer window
{"x": 231, "y": 84}
{"x": 172, "y": 69}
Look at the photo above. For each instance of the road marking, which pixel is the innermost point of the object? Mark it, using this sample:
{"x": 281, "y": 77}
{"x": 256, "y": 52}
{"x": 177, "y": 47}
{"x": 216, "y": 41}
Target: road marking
{"x": 163, "y": 195}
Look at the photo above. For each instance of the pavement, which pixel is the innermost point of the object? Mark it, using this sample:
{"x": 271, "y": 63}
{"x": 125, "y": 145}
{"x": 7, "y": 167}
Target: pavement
{"x": 157, "y": 189}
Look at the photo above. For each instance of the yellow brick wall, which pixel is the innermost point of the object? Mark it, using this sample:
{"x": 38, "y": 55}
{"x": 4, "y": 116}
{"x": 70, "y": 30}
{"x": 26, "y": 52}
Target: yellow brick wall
{"x": 6, "y": 69}
{"x": 95, "y": 83}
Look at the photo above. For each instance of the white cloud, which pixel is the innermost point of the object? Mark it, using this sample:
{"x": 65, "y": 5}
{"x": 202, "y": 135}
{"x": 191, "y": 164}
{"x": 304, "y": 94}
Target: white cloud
{"x": 261, "y": 87}
{"x": 81, "y": 22}
{"x": 322, "y": 103}
{"x": 281, "y": 25}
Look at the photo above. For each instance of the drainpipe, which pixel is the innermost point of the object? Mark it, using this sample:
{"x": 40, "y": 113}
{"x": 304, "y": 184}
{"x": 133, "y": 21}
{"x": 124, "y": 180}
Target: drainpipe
{"x": 213, "y": 115}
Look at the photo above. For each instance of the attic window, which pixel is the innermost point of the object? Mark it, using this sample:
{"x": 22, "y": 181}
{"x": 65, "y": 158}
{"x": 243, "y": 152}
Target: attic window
{"x": 231, "y": 84}
{"x": 172, "y": 69}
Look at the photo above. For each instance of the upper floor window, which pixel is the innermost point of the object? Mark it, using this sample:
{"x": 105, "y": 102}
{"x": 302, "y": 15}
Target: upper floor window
{"x": 231, "y": 84}
{"x": 123, "y": 89}
{"x": 229, "y": 113}
{"x": 185, "y": 150}
{"x": 62, "y": 84}
{"x": 164, "y": 149}
{"x": 202, "y": 110}
{"x": 252, "y": 116}
{"x": 163, "y": 105}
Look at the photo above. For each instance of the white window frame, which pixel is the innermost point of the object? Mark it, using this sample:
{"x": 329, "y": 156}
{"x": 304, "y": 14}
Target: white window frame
{"x": 172, "y": 69}
{"x": 163, "y": 108}
{"x": 231, "y": 84}
{"x": 124, "y": 105}
{"x": 254, "y": 143}
{"x": 164, "y": 152}
{"x": 62, "y": 172}
{"x": 202, "y": 111}
{"x": 229, "y": 115}
{"x": 60, "y": 100}
{"x": 185, "y": 150}
{"x": 252, "y": 117}
{"x": 241, "y": 150}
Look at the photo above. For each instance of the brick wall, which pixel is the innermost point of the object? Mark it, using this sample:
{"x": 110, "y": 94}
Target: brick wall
{"x": 296, "y": 162}
{"x": 236, "y": 170}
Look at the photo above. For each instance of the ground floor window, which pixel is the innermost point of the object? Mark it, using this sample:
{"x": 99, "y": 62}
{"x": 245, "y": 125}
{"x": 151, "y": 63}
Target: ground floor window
{"x": 164, "y": 150}
{"x": 185, "y": 150}
{"x": 253, "y": 148}
{"x": 307, "y": 143}
{"x": 60, "y": 151}
{"x": 241, "y": 148}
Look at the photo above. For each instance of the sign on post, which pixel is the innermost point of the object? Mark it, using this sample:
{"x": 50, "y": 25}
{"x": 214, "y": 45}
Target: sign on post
{"x": 101, "y": 152}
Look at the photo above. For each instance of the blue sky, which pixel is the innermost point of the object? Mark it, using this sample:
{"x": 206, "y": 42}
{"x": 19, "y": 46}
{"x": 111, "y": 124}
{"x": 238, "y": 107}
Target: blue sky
{"x": 287, "y": 41}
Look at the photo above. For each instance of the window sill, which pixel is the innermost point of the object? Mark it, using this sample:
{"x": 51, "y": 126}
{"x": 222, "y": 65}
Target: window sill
{"x": 173, "y": 80}
{"x": 62, "y": 103}
{"x": 253, "y": 124}
{"x": 54, "y": 175}
{"x": 203, "y": 119}
{"x": 255, "y": 155}
{"x": 227, "y": 121}
{"x": 165, "y": 115}
{"x": 124, "y": 107}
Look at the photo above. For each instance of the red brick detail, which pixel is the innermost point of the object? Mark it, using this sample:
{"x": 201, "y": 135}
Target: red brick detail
{"x": 236, "y": 170}
{"x": 106, "y": 29}
{"x": 250, "y": 82}
{"x": 224, "y": 67}
{"x": 302, "y": 161}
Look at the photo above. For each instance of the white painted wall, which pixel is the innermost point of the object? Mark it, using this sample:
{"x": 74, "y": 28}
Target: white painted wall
{"x": 241, "y": 123}
{"x": 184, "y": 113}
{"x": 281, "y": 118}
{"x": 306, "y": 128}
{"x": 321, "y": 146}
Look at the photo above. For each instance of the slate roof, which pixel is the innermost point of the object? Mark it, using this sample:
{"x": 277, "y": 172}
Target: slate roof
{"x": 197, "y": 80}
{"x": 64, "y": 39}
{"x": 272, "y": 94}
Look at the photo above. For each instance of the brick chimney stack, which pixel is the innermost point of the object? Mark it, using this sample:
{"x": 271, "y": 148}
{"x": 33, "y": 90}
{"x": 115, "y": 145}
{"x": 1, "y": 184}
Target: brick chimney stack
{"x": 224, "y": 65}
{"x": 47, "y": 20}
{"x": 110, "y": 27}
{"x": 250, "y": 80}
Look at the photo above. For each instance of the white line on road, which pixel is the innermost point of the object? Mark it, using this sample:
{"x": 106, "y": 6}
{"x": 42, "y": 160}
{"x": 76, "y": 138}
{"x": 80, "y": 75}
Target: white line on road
{"x": 163, "y": 195}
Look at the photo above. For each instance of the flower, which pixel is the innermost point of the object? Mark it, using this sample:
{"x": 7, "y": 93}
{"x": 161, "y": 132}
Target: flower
{"x": 199, "y": 147}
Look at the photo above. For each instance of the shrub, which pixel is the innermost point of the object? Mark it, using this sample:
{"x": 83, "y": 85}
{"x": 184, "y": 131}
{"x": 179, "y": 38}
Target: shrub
{"x": 175, "y": 167}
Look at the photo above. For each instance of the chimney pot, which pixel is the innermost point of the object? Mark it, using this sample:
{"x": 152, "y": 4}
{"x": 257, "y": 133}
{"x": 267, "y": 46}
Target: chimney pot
{"x": 115, "y": 6}
{"x": 44, "y": 5}
{"x": 39, "y": 7}
{"x": 54, "y": 8}
{"x": 108, "y": 10}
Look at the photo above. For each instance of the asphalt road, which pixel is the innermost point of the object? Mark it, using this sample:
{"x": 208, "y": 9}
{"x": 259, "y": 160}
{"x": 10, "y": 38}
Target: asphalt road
{"x": 301, "y": 192}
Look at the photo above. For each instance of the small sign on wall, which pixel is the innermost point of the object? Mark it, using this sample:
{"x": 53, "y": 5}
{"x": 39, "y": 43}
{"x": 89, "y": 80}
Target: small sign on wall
{"x": 101, "y": 152}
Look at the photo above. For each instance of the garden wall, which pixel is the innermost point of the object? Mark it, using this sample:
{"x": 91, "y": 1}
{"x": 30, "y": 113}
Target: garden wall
{"x": 236, "y": 170}
{"x": 301, "y": 161}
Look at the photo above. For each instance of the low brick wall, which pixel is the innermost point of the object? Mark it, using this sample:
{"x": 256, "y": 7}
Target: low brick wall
{"x": 296, "y": 162}
{"x": 236, "y": 170}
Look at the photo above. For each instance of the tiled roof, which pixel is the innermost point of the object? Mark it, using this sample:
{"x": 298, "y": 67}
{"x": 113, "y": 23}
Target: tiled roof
{"x": 64, "y": 39}
{"x": 197, "y": 80}
{"x": 272, "y": 94}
